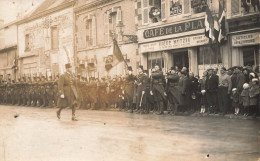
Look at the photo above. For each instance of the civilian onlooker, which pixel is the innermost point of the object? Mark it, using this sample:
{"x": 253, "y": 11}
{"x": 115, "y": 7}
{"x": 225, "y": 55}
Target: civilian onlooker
{"x": 235, "y": 100}
{"x": 254, "y": 96}
{"x": 245, "y": 99}
{"x": 203, "y": 101}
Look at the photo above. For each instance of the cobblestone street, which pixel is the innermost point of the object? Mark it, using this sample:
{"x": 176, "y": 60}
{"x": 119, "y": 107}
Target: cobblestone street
{"x": 36, "y": 134}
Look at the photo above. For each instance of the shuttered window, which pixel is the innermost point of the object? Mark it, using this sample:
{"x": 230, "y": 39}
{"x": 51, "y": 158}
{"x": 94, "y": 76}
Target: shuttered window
{"x": 54, "y": 38}
{"x": 94, "y": 31}
{"x": 186, "y": 7}
{"x": 145, "y": 12}
{"x": 106, "y": 27}
{"x": 163, "y": 10}
{"x": 27, "y": 42}
{"x": 89, "y": 32}
{"x": 235, "y": 7}
{"x": 118, "y": 21}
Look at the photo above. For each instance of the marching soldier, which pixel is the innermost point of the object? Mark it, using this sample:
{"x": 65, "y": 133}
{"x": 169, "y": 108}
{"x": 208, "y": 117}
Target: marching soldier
{"x": 67, "y": 92}
{"x": 102, "y": 94}
{"x": 157, "y": 88}
{"x": 49, "y": 87}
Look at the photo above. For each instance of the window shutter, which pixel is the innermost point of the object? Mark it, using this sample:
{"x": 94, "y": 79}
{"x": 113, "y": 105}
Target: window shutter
{"x": 118, "y": 16}
{"x": 118, "y": 21}
{"x": 48, "y": 39}
{"x": 163, "y": 10}
{"x": 94, "y": 31}
{"x": 235, "y": 7}
{"x": 186, "y": 7}
{"x": 106, "y": 27}
{"x": 145, "y": 13}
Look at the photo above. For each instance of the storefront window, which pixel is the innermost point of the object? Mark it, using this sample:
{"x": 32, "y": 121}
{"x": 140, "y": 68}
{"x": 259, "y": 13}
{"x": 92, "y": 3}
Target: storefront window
{"x": 209, "y": 55}
{"x": 153, "y": 58}
{"x": 250, "y": 55}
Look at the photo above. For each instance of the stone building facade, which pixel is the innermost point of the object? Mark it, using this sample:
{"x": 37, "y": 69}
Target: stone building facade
{"x": 8, "y": 50}
{"x": 95, "y": 24}
{"x": 45, "y": 39}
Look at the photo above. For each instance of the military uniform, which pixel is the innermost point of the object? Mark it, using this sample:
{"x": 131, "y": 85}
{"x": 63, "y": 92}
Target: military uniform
{"x": 157, "y": 87}
{"x": 103, "y": 99}
{"x": 129, "y": 90}
{"x": 66, "y": 87}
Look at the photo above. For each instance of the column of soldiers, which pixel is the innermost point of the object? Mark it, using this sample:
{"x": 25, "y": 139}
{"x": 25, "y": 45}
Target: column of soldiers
{"x": 147, "y": 92}
{"x": 27, "y": 91}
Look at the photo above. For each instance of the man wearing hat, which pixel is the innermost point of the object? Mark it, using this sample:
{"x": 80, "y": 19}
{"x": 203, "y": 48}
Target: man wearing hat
{"x": 224, "y": 90}
{"x": 67, "y": 96}
{"x": 172, "y": 90}
{"x": 157, "y": 88}
{"x": 211, "y": 89}
{"x": 128, "y": 88}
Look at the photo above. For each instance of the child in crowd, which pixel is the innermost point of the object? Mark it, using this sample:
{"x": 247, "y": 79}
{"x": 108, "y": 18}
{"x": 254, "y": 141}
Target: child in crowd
{"x": 254, "y": 96}
{"x": 235, "y": 100}
{"x": 203, "y": 101}
{"x": 245, "y": 98}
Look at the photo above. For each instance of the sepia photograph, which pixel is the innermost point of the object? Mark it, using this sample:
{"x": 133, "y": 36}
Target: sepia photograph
{"x": 129, "y": 80}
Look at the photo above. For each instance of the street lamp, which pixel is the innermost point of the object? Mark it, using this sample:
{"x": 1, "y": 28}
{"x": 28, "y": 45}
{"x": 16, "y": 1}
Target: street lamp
{"x": 120, "y": 26}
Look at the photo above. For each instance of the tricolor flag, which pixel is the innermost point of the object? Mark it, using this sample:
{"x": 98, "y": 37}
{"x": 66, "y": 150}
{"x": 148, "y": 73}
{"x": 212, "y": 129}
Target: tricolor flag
{"x": 209, "y": 25}
{"x": 221, "y": 21}
{"x": 117, "y": 54}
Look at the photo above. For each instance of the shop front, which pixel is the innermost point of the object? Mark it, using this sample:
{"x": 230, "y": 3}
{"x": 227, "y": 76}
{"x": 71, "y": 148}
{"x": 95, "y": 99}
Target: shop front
{"x": 245, "y": 49}
{"x": 189, "y": 51}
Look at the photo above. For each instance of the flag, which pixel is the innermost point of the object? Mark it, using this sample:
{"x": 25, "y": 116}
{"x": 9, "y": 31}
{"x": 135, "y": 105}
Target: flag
{"x": 216, "y": 29}
{"x": 222, "y": 18}
{"x": 209, "y": 25}
{"x": 117, "y": 54}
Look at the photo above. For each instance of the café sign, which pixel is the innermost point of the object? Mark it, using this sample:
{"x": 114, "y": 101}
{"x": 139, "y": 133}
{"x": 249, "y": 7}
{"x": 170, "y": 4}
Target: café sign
{"x": 174, "y": 28}
{"x": 183, "y": 42}
{"x": 246, "y": 39}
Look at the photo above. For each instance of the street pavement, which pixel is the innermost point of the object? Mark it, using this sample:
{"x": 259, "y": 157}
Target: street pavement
{"x": 35, "y": 134}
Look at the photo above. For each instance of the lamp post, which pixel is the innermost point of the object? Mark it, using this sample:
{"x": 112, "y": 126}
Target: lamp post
{"x": 120, "y": 26}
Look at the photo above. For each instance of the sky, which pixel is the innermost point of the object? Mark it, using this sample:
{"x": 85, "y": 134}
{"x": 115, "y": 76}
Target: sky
{"x": 10, "y": 8}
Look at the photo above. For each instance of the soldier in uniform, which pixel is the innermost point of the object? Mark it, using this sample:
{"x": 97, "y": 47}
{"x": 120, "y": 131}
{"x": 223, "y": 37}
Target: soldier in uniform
{"x": 102, "y": 94}
{"x": 92, "y": 93}
{"x": 43, "y": 96}
{"x": 67, "y": 92}
{"x": 157, "y": 89}
{"x": 49, "y": 87}
{"x": 128, "y": 89}
{"x": 172, "y": 90}
{"x": 141, "y": 83}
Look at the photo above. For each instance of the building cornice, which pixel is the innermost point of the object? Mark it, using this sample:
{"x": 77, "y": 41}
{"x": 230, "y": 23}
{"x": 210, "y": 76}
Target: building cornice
{"x": 47, "y": 12}
{"x": 95, "y": 4}
{"x": 8, "y": 48}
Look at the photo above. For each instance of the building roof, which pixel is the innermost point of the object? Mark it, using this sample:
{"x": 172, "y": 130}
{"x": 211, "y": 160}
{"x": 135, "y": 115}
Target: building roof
{"x": 48, "y": 4}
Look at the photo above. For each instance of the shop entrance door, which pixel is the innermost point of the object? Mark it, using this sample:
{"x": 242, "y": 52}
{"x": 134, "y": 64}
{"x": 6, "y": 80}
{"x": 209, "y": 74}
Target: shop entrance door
{"x": 181, "y": 59}
{"x": 250, "y": 55}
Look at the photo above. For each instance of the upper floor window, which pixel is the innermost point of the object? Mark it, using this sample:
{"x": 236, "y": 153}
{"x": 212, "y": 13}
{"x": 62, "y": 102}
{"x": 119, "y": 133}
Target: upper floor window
{"x": 112, "y": 18}
{"x": 236, "y": 7}
{"x": 27, "y": 42}
{"x": 54, "y": 38}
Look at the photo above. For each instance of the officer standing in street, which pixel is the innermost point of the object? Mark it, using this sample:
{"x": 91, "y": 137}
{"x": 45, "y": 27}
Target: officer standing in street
{"x": 67, "y": 92}
{"x": 128, "y": 89}
{"x": 157, "y": 88}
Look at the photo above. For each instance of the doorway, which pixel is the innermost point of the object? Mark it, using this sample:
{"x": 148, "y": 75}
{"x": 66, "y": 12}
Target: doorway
{"x": 181, "y": 59}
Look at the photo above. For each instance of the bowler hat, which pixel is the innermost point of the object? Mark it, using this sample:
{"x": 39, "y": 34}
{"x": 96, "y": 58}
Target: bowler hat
{"x": 130, "y": 68}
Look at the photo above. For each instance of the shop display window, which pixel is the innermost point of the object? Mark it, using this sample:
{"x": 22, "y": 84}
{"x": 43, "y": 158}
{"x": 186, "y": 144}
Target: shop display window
{"x": 209, "y": 55}
{"x": 153, "y": 58}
